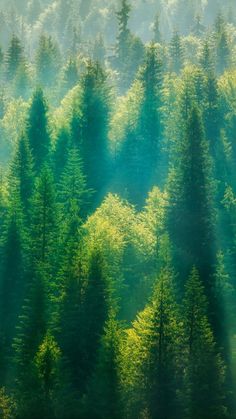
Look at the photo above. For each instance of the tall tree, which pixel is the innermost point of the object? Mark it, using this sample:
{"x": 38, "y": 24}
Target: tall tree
{"x": 190, "y": 214}
{"x": 21, "y": 172}
{"x": 95, "y": 109}
{"x": 37, "y": 129}
{"x": 205, "y": 371}
{"x": 13, "y": 58}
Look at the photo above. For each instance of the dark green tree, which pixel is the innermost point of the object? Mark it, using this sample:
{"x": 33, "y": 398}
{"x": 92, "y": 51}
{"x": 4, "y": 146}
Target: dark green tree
{"x": 190, "y": 214}
{"x": 21, "y": 178}
{"x": 37, "y": 129}
{"x": 95, "y": 109}
{"x": 205, "y": 371}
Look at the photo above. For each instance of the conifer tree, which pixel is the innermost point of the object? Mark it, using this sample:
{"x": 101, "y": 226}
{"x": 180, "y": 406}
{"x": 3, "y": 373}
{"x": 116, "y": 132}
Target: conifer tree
{"x": 12, "y": 280}
{"x": 205, "y": 369}
{"x": 190, "y": 215}
{"x": 176, "y": 53}
{"x": 47, "y": 61}
{"x": 124, "y": 32}
{"x": 140, "y": 153}
{"x": 156, "y": 341}
{"x": 21, "y": 177}
{"x": 43, "y": 224}
{"x": 103, "y": 399}
{"x": 37, "y": 129}
{"x": 47, "y": 362}
{"x": 71, "y": 74}
{"x": 73, "y": 193}
{"x": 95, "y": 108}
{"x": 13, "y": 58}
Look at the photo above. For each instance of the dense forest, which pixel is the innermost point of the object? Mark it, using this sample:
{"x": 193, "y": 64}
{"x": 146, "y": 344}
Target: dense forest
{"x": 117, "y": 209}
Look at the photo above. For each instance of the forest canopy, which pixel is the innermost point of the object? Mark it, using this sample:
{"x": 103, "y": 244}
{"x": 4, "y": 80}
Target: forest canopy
{"x": 117, "y": 209}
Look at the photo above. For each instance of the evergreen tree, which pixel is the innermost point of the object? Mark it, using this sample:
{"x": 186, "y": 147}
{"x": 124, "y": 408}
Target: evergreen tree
{"x": 123, "y": 38}
{"x": 21, "y": 177}
{"x": 155, "y": 342}
{"x": 71, "y": 74}
{"x": 205, "y": 370}
{"x": 140, "y": 153}
{"x": 190, "y": 213}
{"x": 73, "y": 194}
{"x": 37, "y": 129}
{"x": 47, "y": 361}
{"x": 12, "y": 281}
{"x": 47, "y": 61}
{"x": 95, "y": 108}
{"x": 13, "y": 58}
{"x": 176, "y": 53}
{"x": 43, "y": 224}
{"x": 103, "y": 400}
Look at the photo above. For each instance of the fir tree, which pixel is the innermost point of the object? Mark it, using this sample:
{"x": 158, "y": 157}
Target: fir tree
{"x": 21, "y": 172}
{"x": 47, "y": 61}
{"x": 176, "y": 53}
{"x": 95, "y": 108}
{"x": 190, "y": 214}
{"x": 205, "y": 369}
{"x": 124, "y": 33}
{"x": 13, "y": 58}
{"x": 37, "y": 129}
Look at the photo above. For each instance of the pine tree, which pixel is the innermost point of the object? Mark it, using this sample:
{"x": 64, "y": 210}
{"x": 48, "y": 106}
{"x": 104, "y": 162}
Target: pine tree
{"x": 190, "y": 215}
{"x": 95, "y": 108}
{"x": 205, "y": 369}
{"x": 37, "y": 129}
{"x": 155, "y": 343}
{"x": 73, "y": 194}
{"x": 176, "y": 53}
{"x": 12, "y": 280}
{"x": 47, "y": 61}
{"x": 43, "y": 224}
{"x": 62, "y": 147}
{"x": 70, "y": 75}
{"x": 31, "y": 329}
{"x": 140, "y": 152}
{"x": 103, "y": 399}
{"x": 13, "y": 58}
{"x": 47, "y": 362}
{"x": 223, "y": 54}
{"x": 21, "y": 172}
{"x": 124, "y": 33}
{"x": 95, "y": 313}
{"x": 206, "y": 58}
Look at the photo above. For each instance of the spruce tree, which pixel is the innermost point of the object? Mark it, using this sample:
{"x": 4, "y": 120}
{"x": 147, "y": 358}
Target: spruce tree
{"x": 12, "y": 280}
{"x": 103, "y": 399}
{"x": 204, "y": 369}
{"x": 13, "y": 58}
{"x": 176, "y": 53}
{"x": 21, "y": 176}
{"x": 152, "y": 364}
{"x": 37, "y": 129}
{"x": 124, "y": 33}
{"x": 73, "y": 194}
{"x": 190, "y": 216}
{"x": 44, "y": 222}
{"x": 95, "y": 109}
{"x": 140, "y": 156}
{"x": 47, "y": 61}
